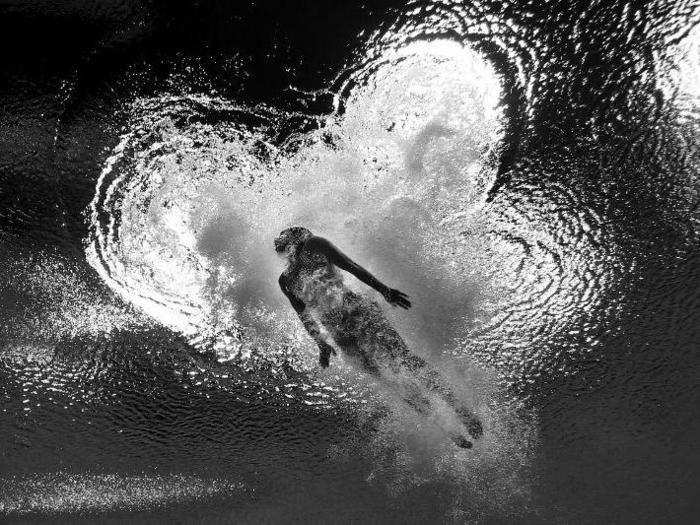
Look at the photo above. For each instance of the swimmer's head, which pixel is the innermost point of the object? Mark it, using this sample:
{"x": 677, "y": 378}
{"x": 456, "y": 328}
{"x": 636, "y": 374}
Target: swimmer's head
{"x": 290, "y": 239}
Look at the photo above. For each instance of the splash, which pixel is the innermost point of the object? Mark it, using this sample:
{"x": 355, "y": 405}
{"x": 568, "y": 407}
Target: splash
{"x": 65, "y": 306}
{"x": 190, "y": 199}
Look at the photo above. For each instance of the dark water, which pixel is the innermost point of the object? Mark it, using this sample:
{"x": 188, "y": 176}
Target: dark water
{"x": 526, "y": 171}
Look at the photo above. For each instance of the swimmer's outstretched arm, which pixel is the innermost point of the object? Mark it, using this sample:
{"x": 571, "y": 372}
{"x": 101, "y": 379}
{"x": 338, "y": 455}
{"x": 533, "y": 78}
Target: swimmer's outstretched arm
{"x": 309, "y": 324}
{"x": 327, "y": 248}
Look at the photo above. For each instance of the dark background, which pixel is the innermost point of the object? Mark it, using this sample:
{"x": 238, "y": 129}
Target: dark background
{"x": 618, "y": 437}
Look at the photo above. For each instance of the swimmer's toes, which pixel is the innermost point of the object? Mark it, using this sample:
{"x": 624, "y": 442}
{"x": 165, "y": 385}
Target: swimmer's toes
{"x": 476, "y": 430}
{"x": 474, "y": 426}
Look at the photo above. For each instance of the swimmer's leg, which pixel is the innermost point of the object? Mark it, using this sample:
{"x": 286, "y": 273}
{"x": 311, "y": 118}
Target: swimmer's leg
{"x": 411, "y": 394}
{"x": 435, "y": 383}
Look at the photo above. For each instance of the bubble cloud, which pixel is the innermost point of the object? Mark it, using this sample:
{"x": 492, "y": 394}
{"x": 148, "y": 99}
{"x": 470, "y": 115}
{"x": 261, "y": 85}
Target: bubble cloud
{"x": 189, "y": 201}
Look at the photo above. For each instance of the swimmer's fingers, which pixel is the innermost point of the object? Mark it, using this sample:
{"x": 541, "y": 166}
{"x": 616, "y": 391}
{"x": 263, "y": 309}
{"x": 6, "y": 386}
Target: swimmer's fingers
{"x": 404, "y": 303}
{"x": 398, "y": 298}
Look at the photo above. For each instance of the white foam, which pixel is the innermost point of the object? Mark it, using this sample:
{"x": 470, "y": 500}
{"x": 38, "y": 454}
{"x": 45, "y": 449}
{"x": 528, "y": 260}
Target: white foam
{"x": 184, "y": 214}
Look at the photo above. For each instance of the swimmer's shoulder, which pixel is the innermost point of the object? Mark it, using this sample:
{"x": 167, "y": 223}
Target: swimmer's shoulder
{"x": 315, "y": 244}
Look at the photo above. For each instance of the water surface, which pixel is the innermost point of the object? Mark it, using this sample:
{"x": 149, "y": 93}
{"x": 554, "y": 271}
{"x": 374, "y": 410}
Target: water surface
{"x": 527, "y": 173}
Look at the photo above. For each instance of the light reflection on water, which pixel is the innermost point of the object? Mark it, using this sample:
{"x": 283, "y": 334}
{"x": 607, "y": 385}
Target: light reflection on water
{"x": 514, "y": 267}
{"x": 189, "y": 201}
{"x": 67, "y": 493}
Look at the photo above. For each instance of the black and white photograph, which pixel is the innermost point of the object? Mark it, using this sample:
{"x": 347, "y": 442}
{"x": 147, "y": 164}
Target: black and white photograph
{"x": 349, "y": 262}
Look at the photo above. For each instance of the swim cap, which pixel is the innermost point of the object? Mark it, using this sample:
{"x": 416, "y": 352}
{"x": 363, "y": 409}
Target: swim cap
{"x": 295, "y": 236}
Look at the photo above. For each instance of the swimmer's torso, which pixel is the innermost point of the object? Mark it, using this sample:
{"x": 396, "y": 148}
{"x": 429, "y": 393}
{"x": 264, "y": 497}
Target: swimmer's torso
{"x": 355, "y": 322}
{"x": 314, "y": 280}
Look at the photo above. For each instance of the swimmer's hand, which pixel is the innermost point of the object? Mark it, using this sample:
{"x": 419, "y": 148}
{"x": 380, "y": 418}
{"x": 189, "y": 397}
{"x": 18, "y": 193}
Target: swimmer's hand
{"x": 396, "y": 298}
{"x": 324, "y": 356}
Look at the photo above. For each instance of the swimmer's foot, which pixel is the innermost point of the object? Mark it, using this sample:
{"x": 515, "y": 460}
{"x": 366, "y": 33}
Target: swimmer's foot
{"x": 461, "y": 441}
{"x": 476, "y": 430}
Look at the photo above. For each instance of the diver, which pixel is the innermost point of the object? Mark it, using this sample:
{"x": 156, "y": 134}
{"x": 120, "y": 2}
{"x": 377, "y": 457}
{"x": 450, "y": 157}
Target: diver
{"x": 336, "y": 317}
